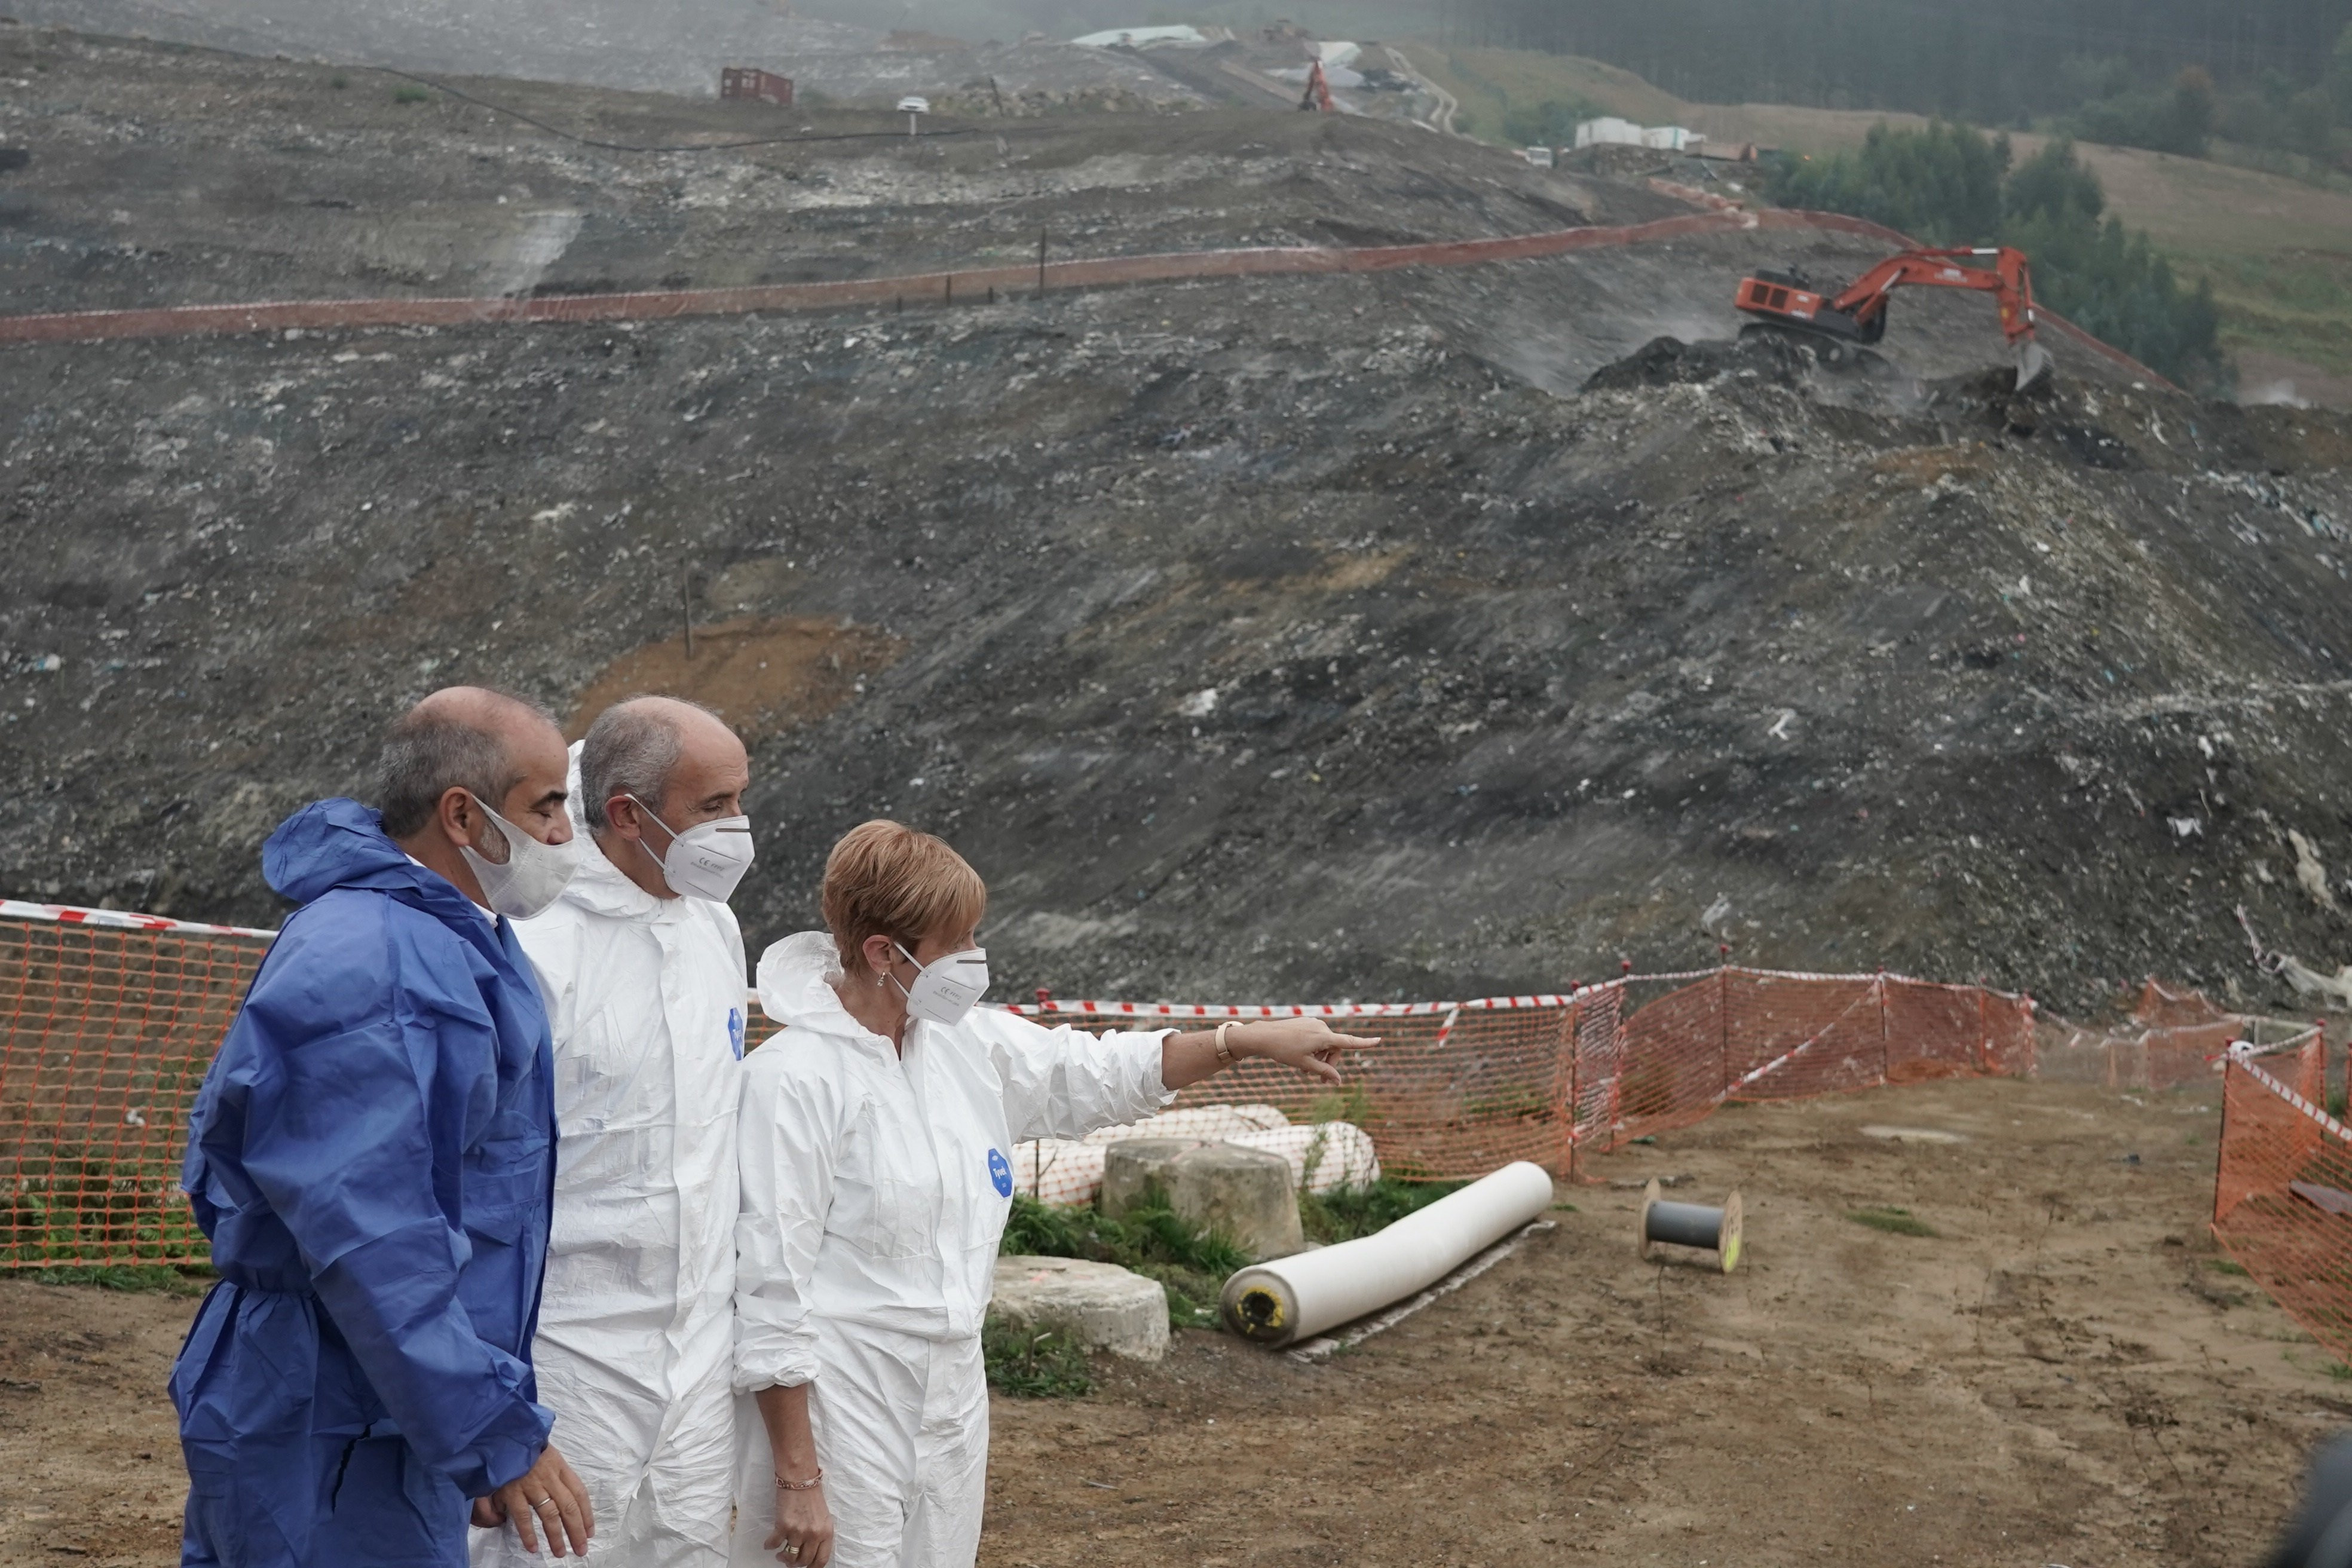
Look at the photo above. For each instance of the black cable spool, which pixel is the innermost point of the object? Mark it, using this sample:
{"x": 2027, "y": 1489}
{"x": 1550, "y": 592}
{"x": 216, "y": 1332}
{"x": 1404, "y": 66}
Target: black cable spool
{"x": 1689, "y": 1224}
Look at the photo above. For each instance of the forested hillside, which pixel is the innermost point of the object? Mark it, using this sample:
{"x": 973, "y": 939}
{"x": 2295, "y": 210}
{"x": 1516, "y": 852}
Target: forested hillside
{"x": 1993, "y": 63}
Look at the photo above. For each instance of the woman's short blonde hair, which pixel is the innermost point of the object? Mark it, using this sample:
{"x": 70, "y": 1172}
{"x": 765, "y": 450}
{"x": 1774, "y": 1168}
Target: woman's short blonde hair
{"x": 885, "y": 878}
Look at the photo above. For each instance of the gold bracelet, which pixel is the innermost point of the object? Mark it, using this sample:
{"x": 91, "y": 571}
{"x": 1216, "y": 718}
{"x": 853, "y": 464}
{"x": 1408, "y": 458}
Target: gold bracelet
{"x": 1224, "y": 1051}
{"x": 808, "y": 1485}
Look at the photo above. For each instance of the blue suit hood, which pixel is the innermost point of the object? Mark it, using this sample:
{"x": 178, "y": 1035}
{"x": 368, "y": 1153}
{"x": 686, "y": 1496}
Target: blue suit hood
{"x": 340, "y": 843}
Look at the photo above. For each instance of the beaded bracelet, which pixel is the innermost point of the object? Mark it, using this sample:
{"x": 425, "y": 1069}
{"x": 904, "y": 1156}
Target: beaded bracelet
{"x": 808, "y": 1485}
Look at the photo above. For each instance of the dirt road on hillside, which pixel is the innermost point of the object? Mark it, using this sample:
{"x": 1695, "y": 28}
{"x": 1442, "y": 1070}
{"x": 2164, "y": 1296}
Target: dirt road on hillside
{"x": 2062, "y": 1374}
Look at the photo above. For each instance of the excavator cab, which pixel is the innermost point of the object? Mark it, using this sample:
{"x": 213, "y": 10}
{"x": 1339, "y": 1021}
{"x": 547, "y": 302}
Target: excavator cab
{"x": 1857, "y": 314}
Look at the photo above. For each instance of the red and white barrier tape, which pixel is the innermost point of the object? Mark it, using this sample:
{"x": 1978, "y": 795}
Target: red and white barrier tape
{"x": 119, "y": 919}
{"x": 1298, "y": 1010}
{"x": 2241, "y": 1056}
{"x": 2294, "y": 1042}
{"x": 1785, "y": 1058}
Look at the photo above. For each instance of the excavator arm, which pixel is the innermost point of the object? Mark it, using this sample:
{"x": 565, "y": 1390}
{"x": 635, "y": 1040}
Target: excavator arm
{"x": 1317, "y": 97}
{"x": 1858, "y": 311}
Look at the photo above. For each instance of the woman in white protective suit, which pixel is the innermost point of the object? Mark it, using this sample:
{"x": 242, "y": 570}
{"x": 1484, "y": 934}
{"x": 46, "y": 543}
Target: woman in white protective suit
{"x": 876, "y": 1139}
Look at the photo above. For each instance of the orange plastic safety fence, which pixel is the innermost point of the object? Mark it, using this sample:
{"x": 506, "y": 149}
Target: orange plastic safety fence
{"x": 1455, "y": 1093}
{"x": 108, "y": 1032}
{"x": 2283, "y": 1200}
{"x": 1443, "y": 1095}
{"x": 1740, "y": 1034}
{"x": 2174, "y": 1038}
{"x": 104, "y": 1038}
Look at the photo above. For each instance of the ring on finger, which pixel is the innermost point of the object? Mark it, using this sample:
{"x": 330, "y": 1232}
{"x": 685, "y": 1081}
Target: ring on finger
{"x": 544, "y": 1502}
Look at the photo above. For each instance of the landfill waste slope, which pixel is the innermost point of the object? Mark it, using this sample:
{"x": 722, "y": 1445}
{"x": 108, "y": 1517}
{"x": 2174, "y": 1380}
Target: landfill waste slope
{"x": 677, "y": 47}
{"x": 1414, "y": 633}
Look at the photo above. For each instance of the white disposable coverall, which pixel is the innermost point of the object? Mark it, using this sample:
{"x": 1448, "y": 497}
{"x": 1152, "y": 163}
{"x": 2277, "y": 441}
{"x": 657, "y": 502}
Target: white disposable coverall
{"x": 636, "y": 1327}
{"x": 875, "y": 1188}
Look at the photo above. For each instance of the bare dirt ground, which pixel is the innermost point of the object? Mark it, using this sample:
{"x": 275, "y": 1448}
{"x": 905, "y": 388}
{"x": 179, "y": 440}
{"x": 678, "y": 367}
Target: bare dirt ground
{"x": 2060, "y": 1375}
{"x": 89, "y": 1455}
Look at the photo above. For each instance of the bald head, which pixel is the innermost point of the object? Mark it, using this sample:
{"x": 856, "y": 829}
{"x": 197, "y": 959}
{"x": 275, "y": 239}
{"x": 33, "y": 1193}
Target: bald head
{"x": 635, "y": 749}
{"x": 467, "y": 738}
{"x": 653, "y": 767}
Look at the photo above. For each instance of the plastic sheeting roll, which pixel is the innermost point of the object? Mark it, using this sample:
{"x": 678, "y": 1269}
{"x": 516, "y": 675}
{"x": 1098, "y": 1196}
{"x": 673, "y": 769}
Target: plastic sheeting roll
{"x": 1290, "y": 1298}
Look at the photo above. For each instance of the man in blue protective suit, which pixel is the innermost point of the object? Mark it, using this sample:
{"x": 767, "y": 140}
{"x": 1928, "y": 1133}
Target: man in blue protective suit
{"x": 373, "y": 1154}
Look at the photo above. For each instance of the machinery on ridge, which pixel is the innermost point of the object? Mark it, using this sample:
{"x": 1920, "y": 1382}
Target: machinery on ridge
{"x": 1857, "y": 312}
{"x": 1317, "y": 97}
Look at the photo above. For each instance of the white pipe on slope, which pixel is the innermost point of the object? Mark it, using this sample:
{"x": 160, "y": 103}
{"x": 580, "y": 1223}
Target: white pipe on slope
{"x": 1307, "y": 1292}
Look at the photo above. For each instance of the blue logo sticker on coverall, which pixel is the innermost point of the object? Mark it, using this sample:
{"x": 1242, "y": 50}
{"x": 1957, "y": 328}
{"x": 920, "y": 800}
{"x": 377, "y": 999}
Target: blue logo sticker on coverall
{"x": 1000, "y": 1171}
{"x": 735, "y": 1031}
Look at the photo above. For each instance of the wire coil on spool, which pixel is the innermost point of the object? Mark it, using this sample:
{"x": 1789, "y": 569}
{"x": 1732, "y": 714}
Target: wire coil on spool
{"x": 1689, "y": 1224}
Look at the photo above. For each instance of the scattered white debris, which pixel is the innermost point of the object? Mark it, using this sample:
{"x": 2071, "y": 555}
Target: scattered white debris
{"x": 2309, "y": 874}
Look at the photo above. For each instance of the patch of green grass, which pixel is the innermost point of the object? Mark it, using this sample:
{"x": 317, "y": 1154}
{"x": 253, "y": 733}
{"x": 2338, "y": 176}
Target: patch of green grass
{"x": 1034, "y": 1364}
{"x": 2223, "y": 1266}
{"x": 2295, "y": 302}
{"x": 1184, "y": 1313}
{"x": 1155, "y": 1241}
{"x": 1350, "y": 1103}
{"x": 412, "y": 95}
{"x": 155, "y": 1278}
{"x": 1891, "y": 1220}
{"x": 1344, "y": 1214}
{"x": 84, "y": 1202}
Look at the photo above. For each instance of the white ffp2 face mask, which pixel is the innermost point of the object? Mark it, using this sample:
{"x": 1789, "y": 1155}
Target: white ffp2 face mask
{"x": 947, "y": 988}
{"x": 707, "y": 859}
{"x": 533, "y": 875}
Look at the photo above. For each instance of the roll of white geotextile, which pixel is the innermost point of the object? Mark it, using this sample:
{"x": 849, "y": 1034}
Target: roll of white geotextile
{"x": 1307, "y": 1292}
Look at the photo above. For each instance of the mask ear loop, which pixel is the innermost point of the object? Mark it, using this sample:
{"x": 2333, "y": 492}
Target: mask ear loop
{"x": 660, "y": 863}
{"x": 885, "y": 976}
{"x": 497, "y": 830}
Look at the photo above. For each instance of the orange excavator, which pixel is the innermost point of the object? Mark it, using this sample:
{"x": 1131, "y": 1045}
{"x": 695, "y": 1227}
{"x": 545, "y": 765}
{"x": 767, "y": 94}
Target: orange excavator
{"x": 1857, "y": 314}
{"x": 1317, "y": 97}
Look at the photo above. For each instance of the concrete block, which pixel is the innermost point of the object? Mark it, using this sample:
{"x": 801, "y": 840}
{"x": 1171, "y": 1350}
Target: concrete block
{"x": 1248, "y": 1193}
{"x": 1101, "y": 1305}
{"x": 1133, "y": 1164}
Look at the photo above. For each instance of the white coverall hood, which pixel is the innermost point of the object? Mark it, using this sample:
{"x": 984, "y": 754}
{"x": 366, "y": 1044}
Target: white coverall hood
{"x": 875, "y": 1191}
{"x": 635, "y": 1346}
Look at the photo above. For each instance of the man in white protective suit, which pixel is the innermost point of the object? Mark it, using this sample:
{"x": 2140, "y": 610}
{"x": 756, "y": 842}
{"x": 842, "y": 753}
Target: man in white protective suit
{"x": 642, "y": 964}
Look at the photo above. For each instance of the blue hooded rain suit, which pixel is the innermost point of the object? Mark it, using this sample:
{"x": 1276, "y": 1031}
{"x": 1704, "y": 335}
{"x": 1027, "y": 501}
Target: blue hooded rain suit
{"x": 371, "y": 1155}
